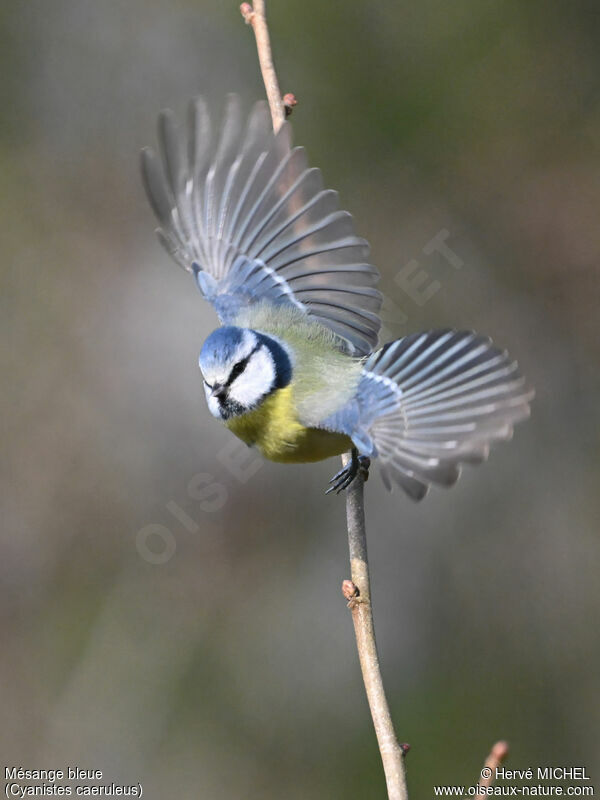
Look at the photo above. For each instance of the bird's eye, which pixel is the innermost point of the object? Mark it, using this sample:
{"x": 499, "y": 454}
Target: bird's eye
{"x": 237, "y": 370}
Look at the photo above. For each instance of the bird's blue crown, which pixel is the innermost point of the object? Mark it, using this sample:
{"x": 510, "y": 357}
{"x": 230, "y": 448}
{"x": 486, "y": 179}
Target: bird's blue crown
{"x": 226, "y": 343}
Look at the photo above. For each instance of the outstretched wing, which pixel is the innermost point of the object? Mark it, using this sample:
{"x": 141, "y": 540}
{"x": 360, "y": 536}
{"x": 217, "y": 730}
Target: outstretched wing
{"x": 429, "y": 402}
{"x": 247, "y": 216}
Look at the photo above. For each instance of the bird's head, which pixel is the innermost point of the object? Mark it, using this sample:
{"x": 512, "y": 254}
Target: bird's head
{"x": 241, "y": 367}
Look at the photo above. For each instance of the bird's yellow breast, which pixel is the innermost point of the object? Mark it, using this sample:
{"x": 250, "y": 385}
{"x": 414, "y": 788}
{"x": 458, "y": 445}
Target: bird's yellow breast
{"x": 274, "y": 428}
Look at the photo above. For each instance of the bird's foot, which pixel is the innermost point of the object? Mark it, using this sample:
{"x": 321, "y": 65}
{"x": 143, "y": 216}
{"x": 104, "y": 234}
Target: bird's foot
{"x": 342, "y": 479}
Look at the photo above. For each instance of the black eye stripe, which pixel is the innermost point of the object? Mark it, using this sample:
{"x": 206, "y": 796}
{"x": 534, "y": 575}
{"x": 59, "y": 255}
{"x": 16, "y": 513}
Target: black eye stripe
{"x": 236, "y": 371}
{"x": 241, "y": 365}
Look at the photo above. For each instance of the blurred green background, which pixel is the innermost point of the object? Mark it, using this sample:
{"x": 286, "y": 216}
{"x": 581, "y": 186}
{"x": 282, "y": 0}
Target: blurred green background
{"x": 213, "y": 657}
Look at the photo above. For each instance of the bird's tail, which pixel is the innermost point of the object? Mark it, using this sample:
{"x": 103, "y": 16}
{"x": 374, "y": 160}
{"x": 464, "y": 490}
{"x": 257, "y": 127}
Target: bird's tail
{"x": 431, "y": 401}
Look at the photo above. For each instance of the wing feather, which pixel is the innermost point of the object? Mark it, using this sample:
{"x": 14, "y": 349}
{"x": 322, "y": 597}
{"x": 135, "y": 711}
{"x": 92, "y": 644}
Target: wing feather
{"x": 429, "y": 402}
{"x": 248, "y": 216}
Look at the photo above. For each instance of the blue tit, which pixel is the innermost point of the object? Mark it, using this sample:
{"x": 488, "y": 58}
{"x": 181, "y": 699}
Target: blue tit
{"x": 295, "y": 369}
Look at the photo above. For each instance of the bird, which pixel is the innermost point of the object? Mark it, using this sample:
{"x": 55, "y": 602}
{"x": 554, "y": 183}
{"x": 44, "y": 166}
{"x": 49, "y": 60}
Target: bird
{"x": 295, "y": 369}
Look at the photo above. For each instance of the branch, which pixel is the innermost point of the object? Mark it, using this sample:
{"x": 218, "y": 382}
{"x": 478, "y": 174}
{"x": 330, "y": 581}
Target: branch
{"x": 358, "y": 593}
{"x": 496, "y": 756}
{"x": 256, "y": 16}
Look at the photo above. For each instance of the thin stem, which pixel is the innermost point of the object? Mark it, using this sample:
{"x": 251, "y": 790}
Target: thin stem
{"x": 358, "y": 593}
{"x": 255, "y": 15}
{"x": 496, "y": 756}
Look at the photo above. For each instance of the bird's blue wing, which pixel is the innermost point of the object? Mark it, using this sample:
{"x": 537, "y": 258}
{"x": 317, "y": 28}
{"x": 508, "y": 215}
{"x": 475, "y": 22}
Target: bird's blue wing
{"x": 431, "y": 401}
{"x": 245, "y": 214}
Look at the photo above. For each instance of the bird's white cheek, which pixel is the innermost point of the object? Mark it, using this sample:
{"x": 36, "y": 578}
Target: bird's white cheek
{"x": 213, "y": 404}
{"x": 256, "y": 380}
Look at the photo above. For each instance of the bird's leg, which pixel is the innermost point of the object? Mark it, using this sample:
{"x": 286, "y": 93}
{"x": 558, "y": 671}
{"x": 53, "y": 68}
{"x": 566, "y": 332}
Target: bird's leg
{"x": 342, "y": 479}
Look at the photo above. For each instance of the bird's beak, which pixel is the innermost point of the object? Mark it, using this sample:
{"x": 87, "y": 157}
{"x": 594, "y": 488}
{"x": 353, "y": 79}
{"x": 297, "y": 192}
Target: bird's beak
{"x": 218, "y": 390}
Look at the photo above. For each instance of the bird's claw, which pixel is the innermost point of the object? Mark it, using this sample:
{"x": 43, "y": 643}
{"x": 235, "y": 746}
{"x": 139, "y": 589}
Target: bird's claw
{"x": 364, "y": 463}
{"x": 342, "y": 479}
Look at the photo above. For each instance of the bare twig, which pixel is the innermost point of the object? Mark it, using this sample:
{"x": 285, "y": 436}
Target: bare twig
{"x": 256, "y": 16}
{"x": 497, "y": 755}
{"x": 358, "y": 593}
